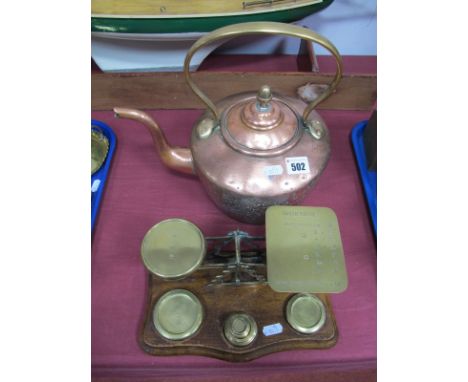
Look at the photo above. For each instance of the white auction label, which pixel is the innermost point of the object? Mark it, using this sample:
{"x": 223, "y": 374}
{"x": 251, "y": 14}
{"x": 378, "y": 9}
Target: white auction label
{"x": 273, "y": 170}
{"x": 95, "y": 185}
{"x": 271, "y": 330}
{"x": 297, "y": 165}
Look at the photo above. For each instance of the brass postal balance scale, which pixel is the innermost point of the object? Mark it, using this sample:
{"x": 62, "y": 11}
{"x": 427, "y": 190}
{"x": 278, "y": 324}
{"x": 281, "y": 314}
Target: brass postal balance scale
{"x": 237, "y": 297}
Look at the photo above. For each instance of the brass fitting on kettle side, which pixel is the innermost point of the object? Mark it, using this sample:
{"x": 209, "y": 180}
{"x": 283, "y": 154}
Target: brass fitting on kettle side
{"x": 315, "y": 128}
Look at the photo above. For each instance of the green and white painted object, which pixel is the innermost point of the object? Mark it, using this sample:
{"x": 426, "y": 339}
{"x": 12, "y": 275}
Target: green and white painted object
{"x": 154, "y": 35}
{"x": 178, "y": 16}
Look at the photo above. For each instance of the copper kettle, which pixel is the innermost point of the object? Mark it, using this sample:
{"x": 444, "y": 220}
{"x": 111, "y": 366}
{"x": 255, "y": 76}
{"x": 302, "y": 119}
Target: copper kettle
{"x": 251, "y": 150}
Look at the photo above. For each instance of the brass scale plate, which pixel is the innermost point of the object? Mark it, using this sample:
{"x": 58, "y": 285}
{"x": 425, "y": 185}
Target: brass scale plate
{"x": 304, "y": 261}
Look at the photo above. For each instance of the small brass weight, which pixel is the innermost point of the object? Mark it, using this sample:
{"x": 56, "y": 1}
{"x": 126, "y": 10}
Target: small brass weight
{"x": 238, "y": 296}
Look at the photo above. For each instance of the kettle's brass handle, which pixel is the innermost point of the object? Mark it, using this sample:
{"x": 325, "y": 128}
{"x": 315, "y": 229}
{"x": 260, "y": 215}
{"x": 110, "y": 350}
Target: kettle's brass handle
{"x": 236, "y": 30}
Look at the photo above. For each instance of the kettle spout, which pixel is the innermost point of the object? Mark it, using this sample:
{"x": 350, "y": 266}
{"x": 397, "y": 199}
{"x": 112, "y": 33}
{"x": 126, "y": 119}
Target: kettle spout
{"x": 176, "y": 158}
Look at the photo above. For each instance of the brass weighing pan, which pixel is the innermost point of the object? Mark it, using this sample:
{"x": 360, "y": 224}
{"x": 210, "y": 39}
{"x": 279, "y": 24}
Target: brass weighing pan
{"x": 173, "y": 248}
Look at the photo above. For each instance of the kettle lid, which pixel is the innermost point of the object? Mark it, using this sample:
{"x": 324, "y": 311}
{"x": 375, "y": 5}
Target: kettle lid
{"x": 261, "y": 125}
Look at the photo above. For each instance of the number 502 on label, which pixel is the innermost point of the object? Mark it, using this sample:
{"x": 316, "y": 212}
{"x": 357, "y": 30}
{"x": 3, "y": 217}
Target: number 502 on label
{"x": 297, "y": 165}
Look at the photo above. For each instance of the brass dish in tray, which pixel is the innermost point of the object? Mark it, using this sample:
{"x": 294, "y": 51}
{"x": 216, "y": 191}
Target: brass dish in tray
{"x": 99, "y": 149}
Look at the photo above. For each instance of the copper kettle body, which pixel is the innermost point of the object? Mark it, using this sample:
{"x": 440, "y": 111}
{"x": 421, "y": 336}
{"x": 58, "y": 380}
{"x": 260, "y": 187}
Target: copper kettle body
{"x": 251, "y": 150}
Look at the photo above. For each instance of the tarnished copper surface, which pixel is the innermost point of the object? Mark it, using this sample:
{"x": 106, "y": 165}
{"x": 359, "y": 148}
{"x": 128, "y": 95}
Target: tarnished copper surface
{"x": 257, "y": 119}
{"x": 263, "y": 114}
{"x": 244, "y": 181}
{"x": 260, "y": 126}
{"x": 274, "y": 132}
{"x": 246, "y": 148}
{"x": 239, "y": 183}
{"x": 262, "y": 120}
{"x": 176, "y": 158}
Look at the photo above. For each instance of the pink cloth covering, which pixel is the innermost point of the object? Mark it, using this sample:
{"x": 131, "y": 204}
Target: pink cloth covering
{"x": 141, "y": 191}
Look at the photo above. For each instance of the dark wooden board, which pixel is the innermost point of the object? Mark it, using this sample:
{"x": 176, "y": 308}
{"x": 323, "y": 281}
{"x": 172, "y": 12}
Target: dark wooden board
{"x": 169, "y": 90}
{"x": 259, "y": 300}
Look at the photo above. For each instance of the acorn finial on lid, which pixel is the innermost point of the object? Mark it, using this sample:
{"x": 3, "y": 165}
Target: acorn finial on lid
{"x": 264, "y": 97}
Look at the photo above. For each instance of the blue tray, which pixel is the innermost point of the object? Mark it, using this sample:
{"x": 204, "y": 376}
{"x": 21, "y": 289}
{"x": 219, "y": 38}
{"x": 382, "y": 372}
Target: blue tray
{"x": 368, "y": 177}
{"x": 98, "y": 179}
